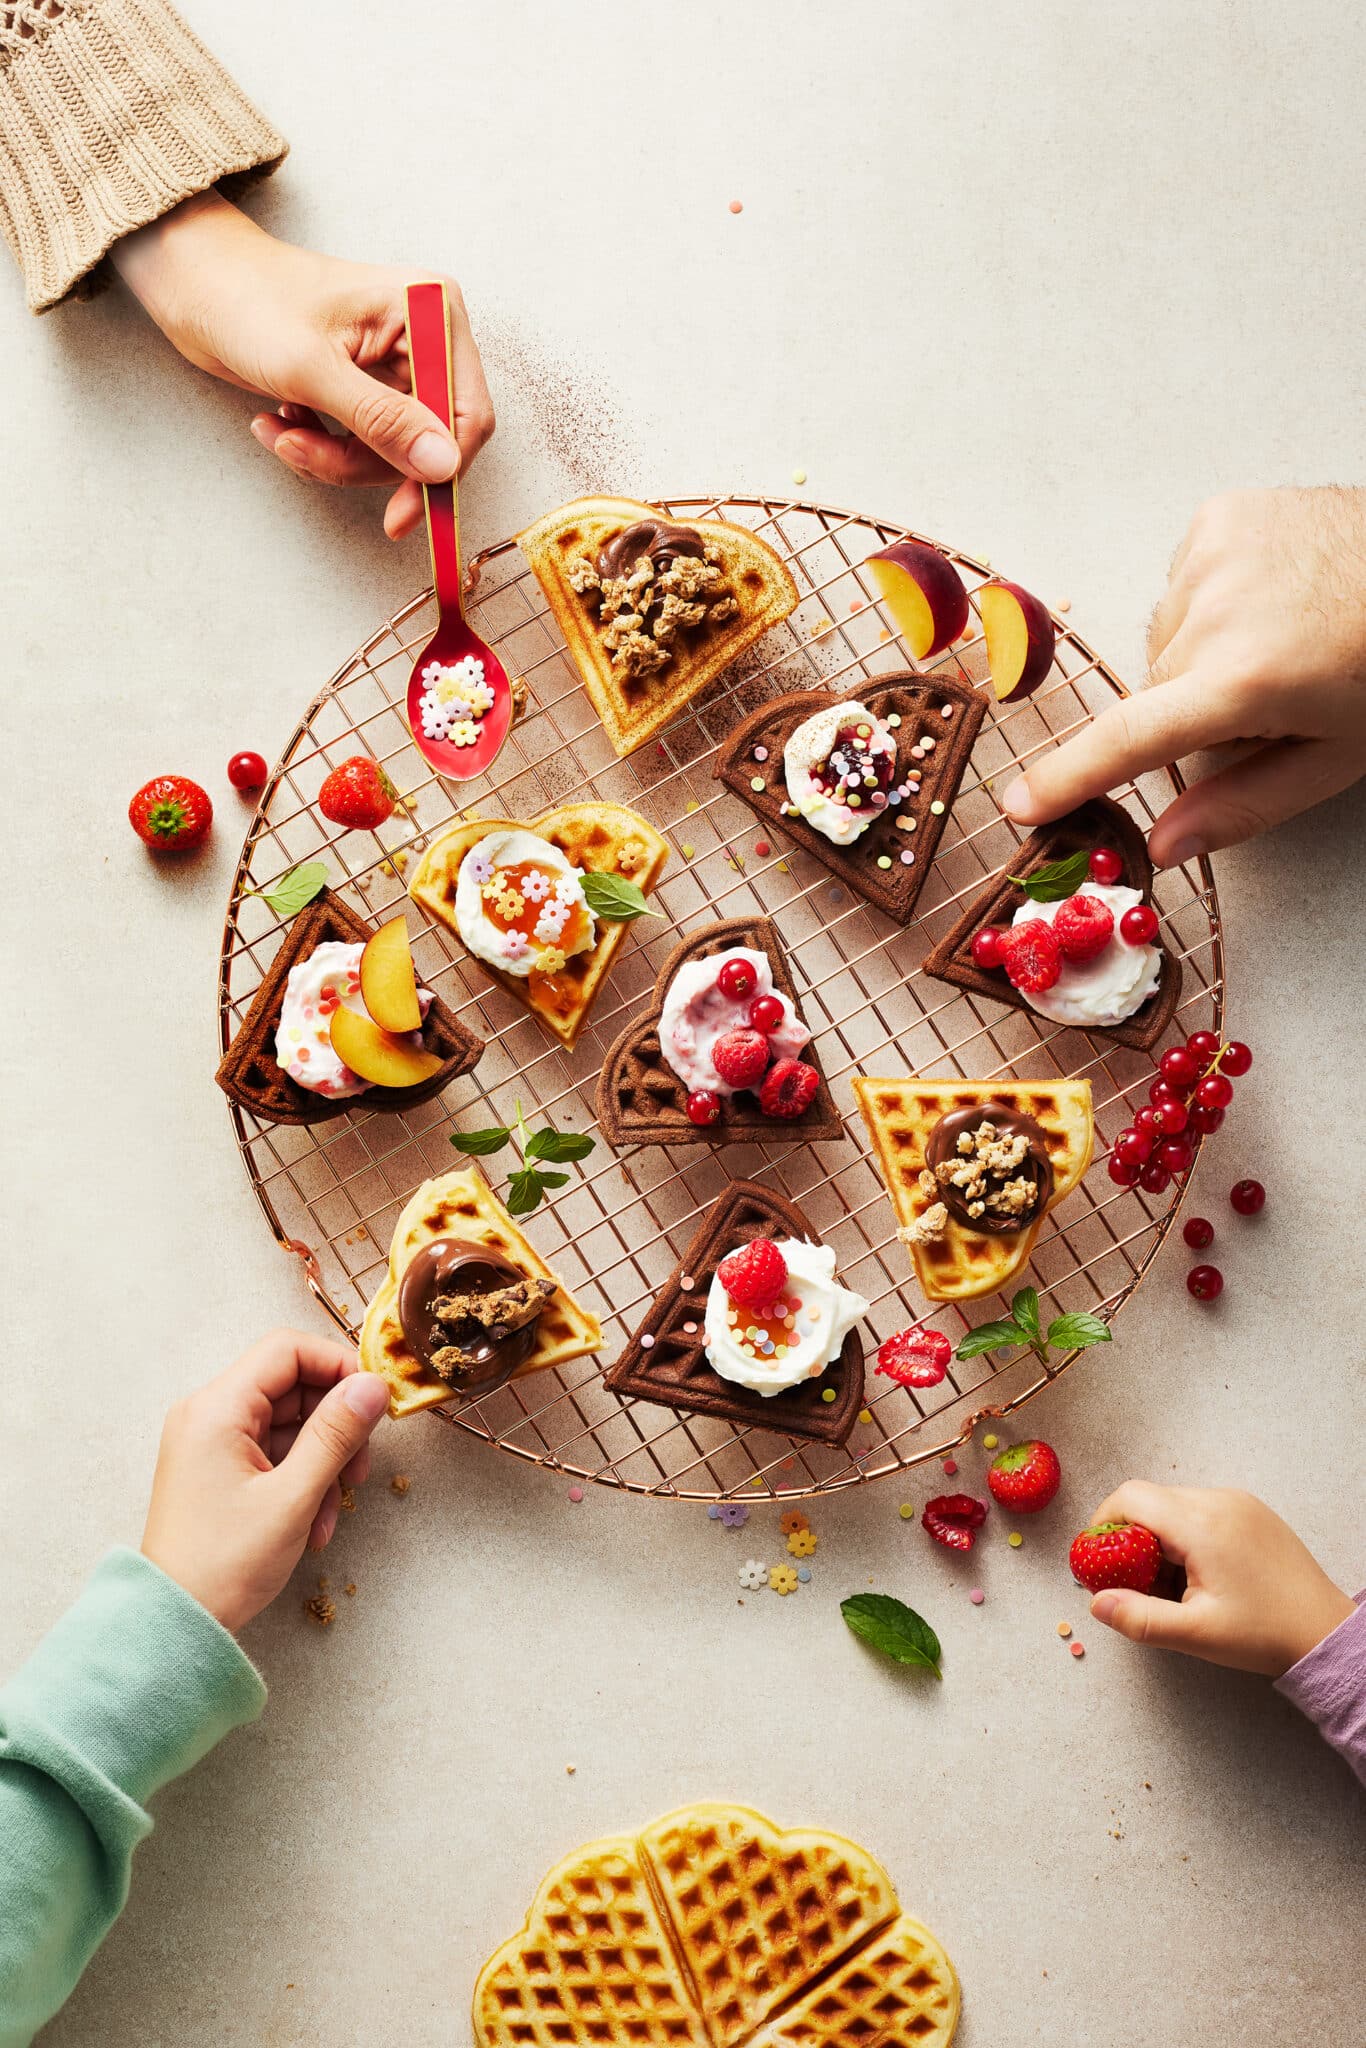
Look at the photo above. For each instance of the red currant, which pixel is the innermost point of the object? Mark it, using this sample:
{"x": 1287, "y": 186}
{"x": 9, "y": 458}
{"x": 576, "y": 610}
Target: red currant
{"x": 703, "y": 1106}
{"x": 1180, "y": 1066}
{"x": 1206, "y": 1283}
{"x": 1134, "y": 1147}
{"x": 1236, "y": 1058}
{"x": 1122, "y": 1171}
{"x": 1199, "y": 1233}
{"x": 1205, "y": 1120}
{"x": 1138, "y": 927}
{"x": 1172, "y": 1117}
{"x": 1155, "y": 1179}
{"x": 1175, "y": 1154}
{"x": 249, "y": 771}
{"x": 1202, "y": 1046}
{"x": 1107, "y": 866}
{"x": 737, "y": 980}
{"x": 986, "y": 946}
{"x": 1161, "y": 1090}
{"x": 1146, "y": 1120}
{"x": 1247, "y": 1197}
{"x": 765, "y": 1014}
{"x": 1214, "y": 1092}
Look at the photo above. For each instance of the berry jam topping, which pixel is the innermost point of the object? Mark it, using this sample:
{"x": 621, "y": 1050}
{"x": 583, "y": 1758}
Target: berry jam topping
{"x": 859, "y": 769}
{"x": 768, "y": 1332}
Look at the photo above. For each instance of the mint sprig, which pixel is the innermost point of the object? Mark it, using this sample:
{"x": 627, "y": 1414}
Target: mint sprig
{"x": 1056, "y": 879}
{"x": 894, "y": 1628}
{"x": 1073, "y": 1332}
{"x": 614, "y": 899}
{"x": 294, "y": 889}
{"x": 529, "y": 1183}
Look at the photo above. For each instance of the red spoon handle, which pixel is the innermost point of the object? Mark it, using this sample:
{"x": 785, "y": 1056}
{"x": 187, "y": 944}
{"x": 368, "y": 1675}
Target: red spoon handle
{"x": 429, "y": 352}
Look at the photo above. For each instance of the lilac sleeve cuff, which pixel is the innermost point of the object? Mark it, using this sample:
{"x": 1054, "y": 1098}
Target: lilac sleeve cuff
{"x": 1329, "y": 1685}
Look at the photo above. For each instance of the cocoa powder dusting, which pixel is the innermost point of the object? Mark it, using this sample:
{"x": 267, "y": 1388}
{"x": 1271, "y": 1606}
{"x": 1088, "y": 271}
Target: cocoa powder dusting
{"x": 568, "y": 407}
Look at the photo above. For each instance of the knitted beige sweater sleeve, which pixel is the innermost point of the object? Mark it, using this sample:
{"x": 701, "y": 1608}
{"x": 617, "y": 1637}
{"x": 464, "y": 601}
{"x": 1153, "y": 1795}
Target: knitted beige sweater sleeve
{"x": 111, "y": 113}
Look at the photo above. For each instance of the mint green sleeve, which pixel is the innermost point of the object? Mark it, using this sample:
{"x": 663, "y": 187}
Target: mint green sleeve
{"x": 132, "y": 1687}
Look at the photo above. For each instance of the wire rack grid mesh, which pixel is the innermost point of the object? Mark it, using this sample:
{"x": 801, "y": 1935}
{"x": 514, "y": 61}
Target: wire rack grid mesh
{"x": 332, "y": 1192}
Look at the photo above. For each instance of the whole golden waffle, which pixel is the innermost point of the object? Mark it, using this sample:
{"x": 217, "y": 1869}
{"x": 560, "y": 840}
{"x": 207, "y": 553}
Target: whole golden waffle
{"x": 901, "y": 1114}
{"x": 602, "y": 839}
{"x": 715, "y": 1929}
{"x": 641, "y": 1100}
{"x": 631, "y": 709}
{"x": 463, "y": 1205}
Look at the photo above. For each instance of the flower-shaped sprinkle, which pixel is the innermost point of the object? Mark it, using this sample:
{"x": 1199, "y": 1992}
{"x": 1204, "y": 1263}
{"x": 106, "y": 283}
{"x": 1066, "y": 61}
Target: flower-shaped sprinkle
{"x": 551, "y": 960}
{"x": 752, "y": 1574}
{"x": 514, "y": 945}
{"x": 463, "y": 733}
{"x": 732, "y": 1514}
{"x": 480, "y": 695}
{"x": 802, "y": 1542}
{"x": 567, "y": 888}
{"x": 793, "y": 1520}
{"x": 536, "y": 886}
{"x": 551, "y": 922}
{"x": 480, "y": 866}
{"x": 783, "y": 1579}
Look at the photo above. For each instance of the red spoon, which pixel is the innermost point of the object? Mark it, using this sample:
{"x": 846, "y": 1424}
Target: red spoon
{"x": 429, "y": 353}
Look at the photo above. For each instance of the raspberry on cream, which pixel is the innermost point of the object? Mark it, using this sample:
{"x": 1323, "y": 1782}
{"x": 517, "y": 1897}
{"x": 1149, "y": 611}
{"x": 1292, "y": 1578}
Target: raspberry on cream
{"x": 1112, "y": 985}
{"x": 769, "y": 1351}
{"x": 697, "y": 1012}
{"x": 328, "y": 979}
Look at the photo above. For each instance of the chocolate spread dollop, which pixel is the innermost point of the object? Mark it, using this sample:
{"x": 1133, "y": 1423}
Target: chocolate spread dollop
{"x": 1035, "y": 1166}
{"x": 658, "y": 538}
{"x": 473, "y": 1359}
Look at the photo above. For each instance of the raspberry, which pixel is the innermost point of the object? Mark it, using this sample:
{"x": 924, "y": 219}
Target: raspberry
{"x": 1083, "y": 927}
{"x": 790, "y": 1087}
{"x": 915, "y": 1357}
{"x": 755, "y": 1275}
{"x": 954, "y": 1519}
{"x": 740, "y": 1057}
{"x": 1031, "y": 956}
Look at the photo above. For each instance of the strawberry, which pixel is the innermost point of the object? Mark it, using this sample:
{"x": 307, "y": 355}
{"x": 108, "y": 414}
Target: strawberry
{"x": 740, "y": 1057}
{"x": 358, "y": 795}
{"x": 789, "y": 1088}
{"x": 954, "y": 1519}
{"x": 1025, "y": 1477}
{"x": 1084, "y": 927}
{"x": 1115, "y": 1554}
{"x": 915, "y": 1357}
{"x": 1031, "y": 956}
{"x": 171, "y": 813}
{"x": 755, "y": 1275}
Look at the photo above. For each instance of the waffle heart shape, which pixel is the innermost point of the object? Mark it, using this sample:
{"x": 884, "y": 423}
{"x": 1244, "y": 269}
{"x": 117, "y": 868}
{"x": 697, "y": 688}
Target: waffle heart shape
{"x": 1101, "y": 822}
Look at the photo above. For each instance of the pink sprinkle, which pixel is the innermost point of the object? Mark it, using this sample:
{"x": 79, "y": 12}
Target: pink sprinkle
{"x": 736, "y": 206}
{"x": 647, "y": 1343}
{"x": 1078, "y": 1649}
{"x": 950, "y": 1465}
{"x": 686, "y": 1280}
{"x": 946, "y": 711}
{"x": 761, "y": 753}
{"x": 977, "y": 1596}
{"x": 857, "y": 605}
{"x": 576, "y": 1493}
{"x": 689, "y": 1329}
{"x": 908, "y": 860}
{"x": 762, "y": 849}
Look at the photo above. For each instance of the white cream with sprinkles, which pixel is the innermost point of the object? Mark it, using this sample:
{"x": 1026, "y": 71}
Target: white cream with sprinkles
{"x": 327, "y": 980}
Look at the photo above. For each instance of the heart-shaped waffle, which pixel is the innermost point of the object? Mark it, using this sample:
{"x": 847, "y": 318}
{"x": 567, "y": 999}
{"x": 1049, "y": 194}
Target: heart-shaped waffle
{"x": 641, "y": 1100}
{"x": 249, "y": 1071}
{"x": 604, "y": 839}
{"x": 673, "y": 1368}
{"x": 1101, "y": 822}
{"x": 936, "y": 707}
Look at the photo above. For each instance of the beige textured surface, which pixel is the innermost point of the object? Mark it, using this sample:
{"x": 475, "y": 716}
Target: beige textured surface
{"x": 1035, "y": 284}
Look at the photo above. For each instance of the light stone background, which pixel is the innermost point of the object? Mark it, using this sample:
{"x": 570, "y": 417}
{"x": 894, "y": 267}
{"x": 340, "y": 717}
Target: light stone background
{"x": 1033, "y": 279}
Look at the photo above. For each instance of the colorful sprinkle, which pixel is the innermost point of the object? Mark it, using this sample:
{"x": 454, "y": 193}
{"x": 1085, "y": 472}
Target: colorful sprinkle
{"x": 856, "y": 606}
{"x": 576, "y": 1494}
{"x": 692, "y": 804}
{"x": 906, "y": 1511}
{"x": 936, "y": 809}
{"x": 689, "y": 1329}
{"x": 732, "y": 1514}
{"x": 908, "y": 860}
{"x": 894, "y": 720}
{"x": 884, "y": 860}
{"x": 757, "y": 782}
{"x": 1064, "y": 604}
{"x": 977, "y": 1596}
{"x": 828, "y": 1394}
{"x": 762, "y": 849}
{"x": 793, "y": 1519}
{"x": 688, "y": 851}
{"x": 1014, "y": 1539}
{"x": 799, "y": 476}
{"x": 1064, "y": 1629}
{"x": 906, "y": 822}
{"x": 1078, "y": 1649}
{"x": 989, "y": 1443}
{"x": 686, "y": 1281}
{"x": 782, "y": 1579}
{"x": 737, "y": 206}
{"x": 761, "y": 753}
{"x": 804, "y": 1574}
{"x": 865, "y": 1415}
{"x": 647, "y": 1342}
{"x": 713, "y": 1513}
{"x": 950, "y": 1466}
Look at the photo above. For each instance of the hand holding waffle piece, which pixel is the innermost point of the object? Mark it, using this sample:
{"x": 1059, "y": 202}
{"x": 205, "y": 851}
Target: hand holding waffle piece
{"x": 543, "y": 907}
{"x": 972, "y": 1168}
{"x": 466, "y": 1304}
{"x": 714, "y": 1928}
{"x": 652, "y": 611}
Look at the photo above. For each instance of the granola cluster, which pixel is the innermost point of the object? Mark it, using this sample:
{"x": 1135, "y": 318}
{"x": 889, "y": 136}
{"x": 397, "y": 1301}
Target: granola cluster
{"x": 470, "y": 1321}
{"x": 641, "y": 613}
{"x": 986, "y": 1174}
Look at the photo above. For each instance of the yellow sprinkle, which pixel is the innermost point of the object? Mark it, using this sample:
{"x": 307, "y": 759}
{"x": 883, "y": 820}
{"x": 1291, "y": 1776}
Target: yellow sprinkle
{"x": 884, "y": 636}
{"x": 783, "y": 868}
{"x": 936, "y": 809}
{"x": 829, "y": 1394}
{"x": 1064, "y": 1629}
{"x": 757, "y": 1480}
{"x": 906, "y": 1511}
{"x": 692, "y": 804}
{"x": 799, "y": 476}
{"x": 1014, "y": 1539}
{"x": 400, "y": 861}
{"x": 569, "y": 1770}
{"x": 865, "y": 1415}
{"x": 1064, "y": 604}
{"x": 989, "y": 1443}
{"x": 688, "y": 851}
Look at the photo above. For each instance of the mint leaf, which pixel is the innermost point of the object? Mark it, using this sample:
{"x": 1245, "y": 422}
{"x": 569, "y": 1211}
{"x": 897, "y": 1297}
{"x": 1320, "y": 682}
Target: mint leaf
{"x": 614, "y": 899}
{"x": 1075, "y": 1332}
{"x": 1025, "y": 1309}
{"x": 548, "y": 1144}
{"x": 551, "y": 1180}
{"x": 524, "y": 1192}
{"x": 299, "y": 886}
{"x": 479, "y": 1144}
{"x": 894, "y": 1628}
{"x": 1056, "y": 879}
{"x": 990, "y": 1337}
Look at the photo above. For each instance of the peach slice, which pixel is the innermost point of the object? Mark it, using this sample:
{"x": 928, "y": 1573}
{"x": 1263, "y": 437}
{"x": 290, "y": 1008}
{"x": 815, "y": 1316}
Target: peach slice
{"x": 377, "y": 1056}
{"x": 924, "y": 594}
{"x": 388, "y": 984}
{"x": 1020, "y": 639}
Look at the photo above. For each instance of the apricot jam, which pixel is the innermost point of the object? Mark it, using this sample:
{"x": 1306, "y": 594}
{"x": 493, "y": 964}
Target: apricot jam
{"x": 768, "y": 1335}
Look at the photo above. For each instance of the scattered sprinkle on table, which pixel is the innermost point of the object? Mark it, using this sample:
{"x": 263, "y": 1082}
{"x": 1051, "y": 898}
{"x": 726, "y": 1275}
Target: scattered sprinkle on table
{"x": 799, "y": 476}
{"x": 989, "y": 1443}
{"x": 950, "y": 1465}
{"x": 834, "y": 896}
{"x": 737, "y": 205}
{"x": 856, "y": 606}
{"x": 977, "y": 1596}
{"x": 762, "y": 849}
{"x": 1014, "y": 1539}
{"x": 1064, "y": 1629}
{"x": 883, "y": 637}
{"x": 1078, "y": 1649}
{"x": 804, "y": 1574}
{"x": 865, "y": 1415}
{"x": 906, "y": 1511}
{"x": 1064, "y": 604}
{"x": 569, "y": 1770}
{"x": 576, "y": 1494}
{"x": 688, "y": 851}
{"x": 692, "y": 804}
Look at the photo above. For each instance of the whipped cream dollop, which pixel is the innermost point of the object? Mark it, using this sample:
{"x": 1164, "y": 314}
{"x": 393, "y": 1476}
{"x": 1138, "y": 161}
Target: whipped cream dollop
{"x": 810, "y": 748}
{"x": 1108, "y": 989}
{"x": 696, "y": 1013}
{"x": 327, "y": 980}
{"x": 519, "y": 903}
{"x": 810, "y": 1332}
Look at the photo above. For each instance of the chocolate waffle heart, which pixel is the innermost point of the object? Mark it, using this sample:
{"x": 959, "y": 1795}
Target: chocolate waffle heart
{"x": 250, "y": 1073}
{"x": 936, "y": 707}
{"x": 1101, "y": 822}
{"x": 673, "y": 1368}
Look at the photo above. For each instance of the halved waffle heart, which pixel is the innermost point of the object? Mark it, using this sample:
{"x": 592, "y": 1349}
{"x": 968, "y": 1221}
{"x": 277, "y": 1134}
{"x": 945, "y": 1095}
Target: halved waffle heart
{"x": 1101, "y": 822}
{"x": 249, "y": 1071}
{"x": 463, "y": 1205}
{"x": 604, "y": 839}
{"x": 633, "y": 708}
{"x": 914, "y": 826}
{"x": 714, "y": 1928}
{"x": 674, "y": 1369}
{"x": 901, "y": 1114}
{"x": 641, "y": 1100}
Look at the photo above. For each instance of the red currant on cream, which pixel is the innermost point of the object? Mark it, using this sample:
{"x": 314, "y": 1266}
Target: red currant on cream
{"x": 1202, "y": 1046}
{"x": 249, "y": 771}
{"x": 1236, "y": 1058}
{"x": 1205, "y": 1120}
{"x": 765, "y": 1014}
{"x": 1138, "y": 927}
{"x": 1122, "y": 1171}
{"x": 703, "y": 1106}
{"x": 737, "y": 980}
{"x": 1199, "y": 1233}
{"x": 1206, "y": 1283}
{"x": 1180, "y": 1066}
{"x": 986, "y": 946}
{"x": 1247, "y": 1197}
{"x": 1107, "y": 867}
{"x": 1214, "y": 1092}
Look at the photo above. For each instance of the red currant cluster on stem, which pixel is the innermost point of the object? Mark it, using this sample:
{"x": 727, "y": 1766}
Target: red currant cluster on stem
{"x": 1189, "y": 1098}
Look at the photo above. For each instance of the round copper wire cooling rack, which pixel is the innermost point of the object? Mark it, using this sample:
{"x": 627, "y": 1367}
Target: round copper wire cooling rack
{"x": 332, "y": 1192}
